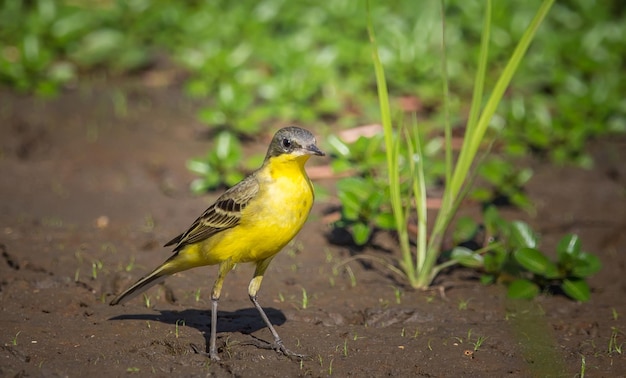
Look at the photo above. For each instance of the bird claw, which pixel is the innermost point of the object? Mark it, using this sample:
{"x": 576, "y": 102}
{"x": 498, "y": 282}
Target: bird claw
{"x": 276, "y": 346}
{"x": 212, "y": 355}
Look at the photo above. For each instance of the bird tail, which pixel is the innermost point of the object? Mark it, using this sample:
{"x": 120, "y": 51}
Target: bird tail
{"x": 156, "y": 277}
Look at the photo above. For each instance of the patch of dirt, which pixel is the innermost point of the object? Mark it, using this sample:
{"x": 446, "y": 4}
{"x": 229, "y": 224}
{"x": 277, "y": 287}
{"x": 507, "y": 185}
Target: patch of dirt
{"x": 89, "y": 192}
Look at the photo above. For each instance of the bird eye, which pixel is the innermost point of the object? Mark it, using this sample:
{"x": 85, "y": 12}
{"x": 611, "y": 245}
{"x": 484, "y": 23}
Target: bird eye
{"x": 286, "y": 143}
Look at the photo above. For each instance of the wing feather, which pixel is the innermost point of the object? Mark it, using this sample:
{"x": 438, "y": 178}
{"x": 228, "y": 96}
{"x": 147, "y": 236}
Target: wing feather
{"x": 225, "y": 213}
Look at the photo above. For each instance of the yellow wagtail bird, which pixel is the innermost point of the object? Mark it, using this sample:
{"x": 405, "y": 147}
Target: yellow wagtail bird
{"x": 250, "y": 222}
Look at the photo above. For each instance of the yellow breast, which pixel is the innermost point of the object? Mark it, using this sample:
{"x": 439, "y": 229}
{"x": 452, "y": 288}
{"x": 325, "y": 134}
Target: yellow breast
{"x": 272, "y": 218}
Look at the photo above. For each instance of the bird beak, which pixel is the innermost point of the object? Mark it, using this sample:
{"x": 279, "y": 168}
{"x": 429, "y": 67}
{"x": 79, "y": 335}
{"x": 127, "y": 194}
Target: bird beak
{"x": 313, "y": 150}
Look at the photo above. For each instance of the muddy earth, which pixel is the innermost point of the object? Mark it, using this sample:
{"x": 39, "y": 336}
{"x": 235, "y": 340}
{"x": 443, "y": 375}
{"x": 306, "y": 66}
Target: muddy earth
{"x": 93, "y": 183}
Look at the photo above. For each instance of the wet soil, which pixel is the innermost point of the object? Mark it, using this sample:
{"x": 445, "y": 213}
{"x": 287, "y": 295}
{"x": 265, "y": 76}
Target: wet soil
{"x": 93, "y": 183}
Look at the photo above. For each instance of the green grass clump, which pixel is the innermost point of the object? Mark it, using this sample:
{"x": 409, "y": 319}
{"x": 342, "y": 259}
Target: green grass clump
{"x": 510, "y": 249}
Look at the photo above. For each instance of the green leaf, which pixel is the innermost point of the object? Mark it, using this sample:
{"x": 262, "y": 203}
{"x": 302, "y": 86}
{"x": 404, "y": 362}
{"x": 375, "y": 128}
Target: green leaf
{"x": 385, "y": 221}
{"x": 522, "y": 235}
{"x": 487, "y": 279}
{"x": 361, "y": 233}
{"x": 467, "y": 257}
{"x": 493, "y": 221}
{"x": 523, "y": 289}
{"x": 535, "y": 261}
{"x": 568, "y": 248}
{"x": 466, "y": 229}
{"x": 576, "y": 289}
{"x": 338, "y": 146}
{"x": 358, "y": 186}
{"x": 585, "y": 265}
{"x": 351, "y": 204}
{"x": 494, "y": 260}
{"x": 198, "y": 166}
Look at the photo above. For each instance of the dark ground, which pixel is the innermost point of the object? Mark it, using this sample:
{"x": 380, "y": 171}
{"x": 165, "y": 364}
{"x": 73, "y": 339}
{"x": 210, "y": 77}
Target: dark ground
{"x": 88, "y": 197}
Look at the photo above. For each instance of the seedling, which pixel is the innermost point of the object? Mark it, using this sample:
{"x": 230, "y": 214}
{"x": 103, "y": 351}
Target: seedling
{"x": 197, "y": 295}
{"x": 146, "y": 300}
{"x": 351, "y": 275}
{"x": 305, "y": 299}
{"x": 131, "y": 264}
{"x": 614, "y": 347}
{"x": 14, "y": 340}
{"x": 96, "y": 266}
{"x": 583, "y": 366}
{"x": 181, "y": 322}
{"x": 463, "y": 304}
{"x": 398, "y": 294}
{"x": 148, "y": 223}
{"x": 479, "y": 342}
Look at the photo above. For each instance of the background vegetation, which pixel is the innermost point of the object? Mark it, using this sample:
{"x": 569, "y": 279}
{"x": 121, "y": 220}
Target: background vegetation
{"x": 255, "y": 64}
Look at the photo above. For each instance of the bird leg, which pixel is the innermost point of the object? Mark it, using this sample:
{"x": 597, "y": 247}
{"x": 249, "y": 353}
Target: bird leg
{"x": 253, "y": 289}
{"x": 278, "y": 342}
{"x": 224, "y": 268}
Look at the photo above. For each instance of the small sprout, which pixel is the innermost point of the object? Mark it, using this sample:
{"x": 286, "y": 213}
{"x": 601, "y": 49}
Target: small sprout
{"x": 96, "y": 266}
{"x": 329, "y": 255}
{"x": 281, "y": 297}
{"x": 583, "y": 366}
{"x": 469, "y": 334}
{"x": 463, "y": 304}
{"x": 14, "y": 341}
{"x": 130, "y": 265}
{"x": 146, "y": 300}
{"x": 479, "y": 342}
{"x": 615, "y": 313}
{"x": 345, "y": 347}
{"x": 181, "y": 322}
{"x": 398, "y": 294}
{"x": 351, "y": 275}
{"x": 148, "y": 223}
{"x": 305, "y": 299}
{"x": 330, "y": 367}
{"x": 77, "y": 275}
{"x": 402, "y": 333}
{"x": 614, "y": 347}
{"x": 132, "y": 370}
{"x": 197, "y": 295}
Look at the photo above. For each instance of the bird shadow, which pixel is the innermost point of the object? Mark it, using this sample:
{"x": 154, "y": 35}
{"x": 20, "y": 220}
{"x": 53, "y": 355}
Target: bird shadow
{"x": 245, "y": 321}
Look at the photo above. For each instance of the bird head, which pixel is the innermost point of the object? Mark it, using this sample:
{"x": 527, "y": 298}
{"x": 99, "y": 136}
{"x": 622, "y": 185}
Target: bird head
{"x": 293, "y": 141}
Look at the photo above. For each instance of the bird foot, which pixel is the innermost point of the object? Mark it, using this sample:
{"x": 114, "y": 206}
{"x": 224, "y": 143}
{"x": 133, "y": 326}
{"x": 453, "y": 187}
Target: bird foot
{"x": 277, "y": 346}
{"x": 212, "y": 354}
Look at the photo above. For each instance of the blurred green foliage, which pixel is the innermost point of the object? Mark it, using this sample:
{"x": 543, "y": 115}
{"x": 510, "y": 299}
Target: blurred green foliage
{"x": 508, "y": 252}
{"x": 259, "y": 62}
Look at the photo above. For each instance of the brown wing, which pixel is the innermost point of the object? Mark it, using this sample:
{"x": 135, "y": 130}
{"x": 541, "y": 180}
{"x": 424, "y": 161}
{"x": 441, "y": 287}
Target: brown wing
{"x": 225, "y": 213}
